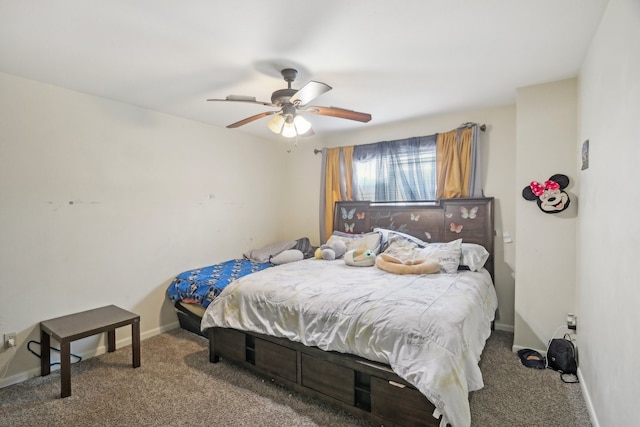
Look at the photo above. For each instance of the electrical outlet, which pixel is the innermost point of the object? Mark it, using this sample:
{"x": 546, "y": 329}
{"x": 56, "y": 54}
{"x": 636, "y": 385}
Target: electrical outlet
{"x": 571, "y": 321}
{"x": 10, "y": 339}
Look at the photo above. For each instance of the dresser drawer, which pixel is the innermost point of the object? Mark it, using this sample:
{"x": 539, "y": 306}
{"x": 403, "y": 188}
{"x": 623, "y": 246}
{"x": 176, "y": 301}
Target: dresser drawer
{"x": 400, "y": 403}
{"x": 328, "y": 378}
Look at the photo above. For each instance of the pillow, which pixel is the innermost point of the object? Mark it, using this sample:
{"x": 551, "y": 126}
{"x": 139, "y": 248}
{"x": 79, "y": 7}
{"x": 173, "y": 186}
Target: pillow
{"x": 365, "y": 241}
{"x": 473, "y": 256}
{"x": 304, "y": 245}
{"x": 447, "y": 254}
{"x": 289, "y": 255}
{"x": 388, "y": 234}
{"x": 401, "y": 248}
{"x": 263, "y": 254}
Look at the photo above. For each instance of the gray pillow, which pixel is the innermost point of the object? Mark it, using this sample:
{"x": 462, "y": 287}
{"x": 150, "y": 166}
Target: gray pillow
{"x": 263, "y": 254}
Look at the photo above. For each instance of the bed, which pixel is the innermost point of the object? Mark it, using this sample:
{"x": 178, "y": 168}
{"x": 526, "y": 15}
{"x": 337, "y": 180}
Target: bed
{"x": 392, "y": 349}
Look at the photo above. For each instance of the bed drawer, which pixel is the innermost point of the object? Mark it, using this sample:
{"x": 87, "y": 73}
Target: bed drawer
{"x": 275, "y": 359}
{"x": 230, "y": 344}
{"x": 399, "y": 403}
{"x": 328, "y": 378}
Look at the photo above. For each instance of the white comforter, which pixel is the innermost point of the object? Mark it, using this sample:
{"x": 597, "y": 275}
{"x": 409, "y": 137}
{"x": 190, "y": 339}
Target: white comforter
{"x": 430, "y": 329}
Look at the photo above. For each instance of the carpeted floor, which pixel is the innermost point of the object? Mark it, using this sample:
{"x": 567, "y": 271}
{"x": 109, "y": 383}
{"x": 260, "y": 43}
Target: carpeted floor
{"x": 177, "y": 386}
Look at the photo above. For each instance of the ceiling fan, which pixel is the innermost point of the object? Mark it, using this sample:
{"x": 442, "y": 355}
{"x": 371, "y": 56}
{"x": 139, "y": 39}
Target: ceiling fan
{"x": 287, "y": 121}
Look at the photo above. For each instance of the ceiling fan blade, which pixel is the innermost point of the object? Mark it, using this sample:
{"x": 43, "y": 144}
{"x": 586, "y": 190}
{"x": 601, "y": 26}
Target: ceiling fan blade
{"x": 252, "y": 118}
{"x": 340, "y": 113}
{"x": 309, "y": 92}
{"x": 242, "y": 98}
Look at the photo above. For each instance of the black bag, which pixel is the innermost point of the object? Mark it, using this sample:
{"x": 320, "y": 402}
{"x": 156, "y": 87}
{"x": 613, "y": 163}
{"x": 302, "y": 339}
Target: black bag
{"x": 561, "y": 356}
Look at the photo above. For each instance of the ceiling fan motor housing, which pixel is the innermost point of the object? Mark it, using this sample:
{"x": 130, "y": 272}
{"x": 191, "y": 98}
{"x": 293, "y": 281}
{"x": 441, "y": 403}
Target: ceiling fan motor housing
{"x": 281, "y": 97}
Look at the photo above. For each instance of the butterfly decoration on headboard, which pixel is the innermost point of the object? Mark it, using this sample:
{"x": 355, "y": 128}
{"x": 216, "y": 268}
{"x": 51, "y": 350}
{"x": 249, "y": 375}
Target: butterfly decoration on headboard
{"x": 456, "y": 228}
{"x": 415, "y": 217}
{"x": 469, "y": 213}
{"x": 348, "y": 214}
{"x": 349, "y": 227}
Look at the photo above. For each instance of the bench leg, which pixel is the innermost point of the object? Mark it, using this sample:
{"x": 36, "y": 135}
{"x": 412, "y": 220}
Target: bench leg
{"x": 65, "y": 368}
{"x": 135, "y": 342}
{"x": 111, "y": 341}
{"x": 45, "y": 353}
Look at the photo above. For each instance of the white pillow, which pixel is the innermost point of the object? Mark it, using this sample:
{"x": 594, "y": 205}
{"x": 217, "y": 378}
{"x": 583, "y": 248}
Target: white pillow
{"x": 290, "y": 255}
{"x": 365, "y": 241}
{"x": 388, "y": 234}
{"x": 402, "y": 248}
{"x": 473, "y": 256}
{"x": 447, "y": 254}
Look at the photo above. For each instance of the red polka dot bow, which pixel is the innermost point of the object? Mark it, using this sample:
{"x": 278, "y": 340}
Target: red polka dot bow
{"x": 538, "y": 189}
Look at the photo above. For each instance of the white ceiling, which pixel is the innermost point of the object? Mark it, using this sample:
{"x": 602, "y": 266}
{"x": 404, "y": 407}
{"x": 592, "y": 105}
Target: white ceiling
{"x": 394, "y": 59}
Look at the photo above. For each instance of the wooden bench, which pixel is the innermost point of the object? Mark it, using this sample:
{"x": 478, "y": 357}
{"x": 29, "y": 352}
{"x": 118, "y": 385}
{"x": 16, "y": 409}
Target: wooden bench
{"x": 73, "y": 327}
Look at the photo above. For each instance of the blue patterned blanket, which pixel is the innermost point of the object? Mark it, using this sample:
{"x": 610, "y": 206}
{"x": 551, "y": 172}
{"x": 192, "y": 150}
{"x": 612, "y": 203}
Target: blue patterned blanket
{"x": 206, "y": 283}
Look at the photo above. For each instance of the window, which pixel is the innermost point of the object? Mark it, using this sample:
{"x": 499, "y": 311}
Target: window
{"x": 403, "y": 170}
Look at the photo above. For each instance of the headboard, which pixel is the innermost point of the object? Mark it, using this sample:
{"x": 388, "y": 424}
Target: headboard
{"x": 441, "y": 220}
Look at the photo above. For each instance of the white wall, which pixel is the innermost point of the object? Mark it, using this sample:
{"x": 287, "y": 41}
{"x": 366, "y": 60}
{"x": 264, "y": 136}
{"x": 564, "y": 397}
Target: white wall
{"x": 608, "y": 228}
{"x": 103, "y": 203}
{"x": 546, "y": 247}
{"x": 498, "y": 154}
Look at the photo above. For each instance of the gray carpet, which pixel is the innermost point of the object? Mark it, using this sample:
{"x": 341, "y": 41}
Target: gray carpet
{"x": 177, "y": 386}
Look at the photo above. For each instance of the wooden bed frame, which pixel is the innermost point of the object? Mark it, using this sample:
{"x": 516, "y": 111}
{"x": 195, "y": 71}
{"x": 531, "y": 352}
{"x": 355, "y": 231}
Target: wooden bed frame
{"x": 366, "y": 389}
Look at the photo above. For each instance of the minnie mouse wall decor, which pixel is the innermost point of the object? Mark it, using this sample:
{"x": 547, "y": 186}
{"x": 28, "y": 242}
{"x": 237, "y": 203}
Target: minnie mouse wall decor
{"x": 550, "y": 196}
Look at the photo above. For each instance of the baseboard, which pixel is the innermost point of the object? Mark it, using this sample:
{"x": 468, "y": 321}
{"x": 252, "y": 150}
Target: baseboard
{"x": 35, "y": 372}
{"x": 503, "y": 327}
{"x": 515, "y": 348}
{"x": 587, "y": 399}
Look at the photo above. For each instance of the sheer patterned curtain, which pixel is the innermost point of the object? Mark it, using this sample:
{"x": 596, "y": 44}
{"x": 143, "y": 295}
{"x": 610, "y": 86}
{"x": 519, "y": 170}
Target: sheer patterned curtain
{"x": 400, "y": 170}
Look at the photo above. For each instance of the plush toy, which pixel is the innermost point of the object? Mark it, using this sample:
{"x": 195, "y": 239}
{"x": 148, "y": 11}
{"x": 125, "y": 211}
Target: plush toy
{"x": 550, "y": 196}
{"x": 360, "y": 258}
{"x": 394, "y": 265}
{"x": 333, "y": 249}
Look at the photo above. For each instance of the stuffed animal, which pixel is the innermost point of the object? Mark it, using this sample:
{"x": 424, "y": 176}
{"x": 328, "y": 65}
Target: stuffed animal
{"x": 360, "y": 258}
{"x": 333, "y": 249}
{"x": 550, "y": 196}
{"x": 393, "y": 265}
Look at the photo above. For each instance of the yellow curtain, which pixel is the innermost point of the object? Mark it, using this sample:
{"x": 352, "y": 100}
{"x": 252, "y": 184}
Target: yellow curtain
{"x": 337, "y": 179}
{"x": 453, "y": 163}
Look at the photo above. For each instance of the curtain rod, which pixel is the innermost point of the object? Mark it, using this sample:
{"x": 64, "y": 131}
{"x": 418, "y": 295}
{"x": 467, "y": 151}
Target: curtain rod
{"x": 482, "y": 127}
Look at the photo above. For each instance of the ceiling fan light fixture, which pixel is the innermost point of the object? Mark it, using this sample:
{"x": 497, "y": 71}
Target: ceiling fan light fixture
{"x": 289, "y": 130}
{"x": 275, "y": 125}
{"x": 302, "y": 125}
